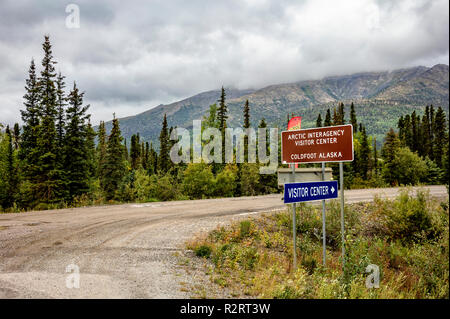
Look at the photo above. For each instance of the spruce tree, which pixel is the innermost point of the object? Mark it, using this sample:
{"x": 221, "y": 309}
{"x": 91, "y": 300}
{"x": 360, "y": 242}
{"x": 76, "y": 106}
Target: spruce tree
{"x": 319, "y": 121}
{"x": 142, "y": 153}
{"x": 28, "y": 151}
{"x": 114, "y": 166}
{"x": 16, "y": 136}
{"x": 375, "y": 157}
{"x": 336, "y": 117}
{"x": 401, "y": 128}
{"x": 153, "y": 161}
{"x": 390, "y": 148}
{"x": 341, "y": 114}
{"x": 60, "y": 118}
{"x": 364, "y": 155}
{"x": 101, "y": 152}
{"x": 11, "y": 180}
{"x": 164, "y": 148}
{"x": 246, "y": 126}
{"x": 145, "y": 158}
{"x": 125, "y": 149}
{"x": 414, "y": 132}
{"x": 222, "y": 119}
{"x": 407, "y": 131}
{"x": 440, "y": 136}
{"x": 49, "y": 183}
{"x": 134, "y": 151}
{"x": 353, "y": 120}
{"x": 327, "y": 121}
{"x": 77, "y": 163}
{"x": 246, "y": 115}
{"x": 429, "y": 132}
{"x": 91, "y": 152}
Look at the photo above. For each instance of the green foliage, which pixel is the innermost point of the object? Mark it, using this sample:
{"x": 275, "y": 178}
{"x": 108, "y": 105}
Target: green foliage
{"x": 114, "y": 166}
{"x": 310, "y": 264}
{"x": 384, "y": 233}
{"x": 203, "y": 251}
{"x": 407, "y": 168}
{"x": 142, "y": 185}
{"x": 77, "y": 165}
{"x": 48, "y": 181}
{"x": 164, "y": 147}
{"x": 164, "y": 188}
{"x": 244, "y": 229}
{"x": 198, "y": 180}
{"x": 249, "y": 179}
{"x": 225, "y": 182}
{"x": 407, "y": 218}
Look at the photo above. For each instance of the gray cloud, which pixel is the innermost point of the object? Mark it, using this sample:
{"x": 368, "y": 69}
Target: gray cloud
{"x": 129, "y": 57}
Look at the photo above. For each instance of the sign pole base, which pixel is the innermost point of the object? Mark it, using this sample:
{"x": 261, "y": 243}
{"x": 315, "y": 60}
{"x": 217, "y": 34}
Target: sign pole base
{"x": 341, "y": 177}
{"x": 294, "y": 226}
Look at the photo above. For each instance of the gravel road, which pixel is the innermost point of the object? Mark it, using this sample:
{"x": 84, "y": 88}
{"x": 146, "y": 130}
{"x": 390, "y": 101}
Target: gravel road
{"x": 122, "y": 251}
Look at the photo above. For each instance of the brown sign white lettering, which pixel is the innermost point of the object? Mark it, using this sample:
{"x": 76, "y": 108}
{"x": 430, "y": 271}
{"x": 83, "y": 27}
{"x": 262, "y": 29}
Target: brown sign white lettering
{"x": 324, "y": 144}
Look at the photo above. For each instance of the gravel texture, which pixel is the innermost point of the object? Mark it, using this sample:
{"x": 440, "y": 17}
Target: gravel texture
{"x": 124, "y": 251}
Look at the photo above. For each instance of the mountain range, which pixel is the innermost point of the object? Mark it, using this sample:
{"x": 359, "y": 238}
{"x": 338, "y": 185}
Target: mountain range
{"x": 380, "y": 98}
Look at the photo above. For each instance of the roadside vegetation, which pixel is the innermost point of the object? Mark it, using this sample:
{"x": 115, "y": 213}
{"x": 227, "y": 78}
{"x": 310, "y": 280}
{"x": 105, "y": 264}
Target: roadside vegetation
{"x": 407, "y": 238}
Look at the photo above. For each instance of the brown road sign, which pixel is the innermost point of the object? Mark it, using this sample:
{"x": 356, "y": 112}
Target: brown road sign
{"x": 324, "y": 144}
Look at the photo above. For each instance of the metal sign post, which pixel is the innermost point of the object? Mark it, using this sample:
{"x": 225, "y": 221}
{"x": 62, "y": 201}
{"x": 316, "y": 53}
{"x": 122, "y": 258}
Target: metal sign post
{"x": 341, "y": 177}
{"x": 315, "y": 145}
{"x": 294, "y": 223}
{"x": 323, "y": 222}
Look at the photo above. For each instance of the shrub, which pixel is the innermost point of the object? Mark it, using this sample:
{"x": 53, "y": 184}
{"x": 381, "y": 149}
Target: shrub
{"x": 203, "y": 251}
{"x": 225, "y": 182}
{"x": 244, "y": 229}
{"x": 142, "y": 185}
{"x": 407, "y": 168}
{"x": 249, "y": 179}
{"x": 407, "y": 218}
{"x": 247, "y": 257}
{"x": 163, "y": 187}
{"x": 198, "y": 180}
{"x": 310, "y": 264}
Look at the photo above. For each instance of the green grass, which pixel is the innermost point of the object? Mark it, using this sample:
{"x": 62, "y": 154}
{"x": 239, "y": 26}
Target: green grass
{"x": 407, "y": 238}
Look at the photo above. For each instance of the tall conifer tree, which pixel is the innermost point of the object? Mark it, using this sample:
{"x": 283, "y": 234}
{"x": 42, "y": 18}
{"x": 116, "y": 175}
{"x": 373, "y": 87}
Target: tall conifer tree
{"x": 16, "y": 136}
{"x": 12, "y": 176}
{"x": 49, "y": 176}
{"x": 327, "y": 121}
{"x": 77, "y": 163}
{"x": 114, "y": 165}
{"x": 319, "y": 121}
{"x": 164, "y": 147}
{"x": 28, "y": 151}
{"x": 60, "y": 118}
{"x": 440, "y": 136}
{"x": 353, "y": 120}
{"x": 222, "y": 119}
{"x": 364, "y": 155}
{"x": 101, "y": 151}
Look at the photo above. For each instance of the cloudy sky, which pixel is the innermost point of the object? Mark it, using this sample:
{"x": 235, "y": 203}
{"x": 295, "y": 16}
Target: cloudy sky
{"x": 130, "y": 56}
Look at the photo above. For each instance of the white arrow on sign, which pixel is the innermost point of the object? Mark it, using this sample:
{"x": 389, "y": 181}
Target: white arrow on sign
{"x": 332, "y": 189}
